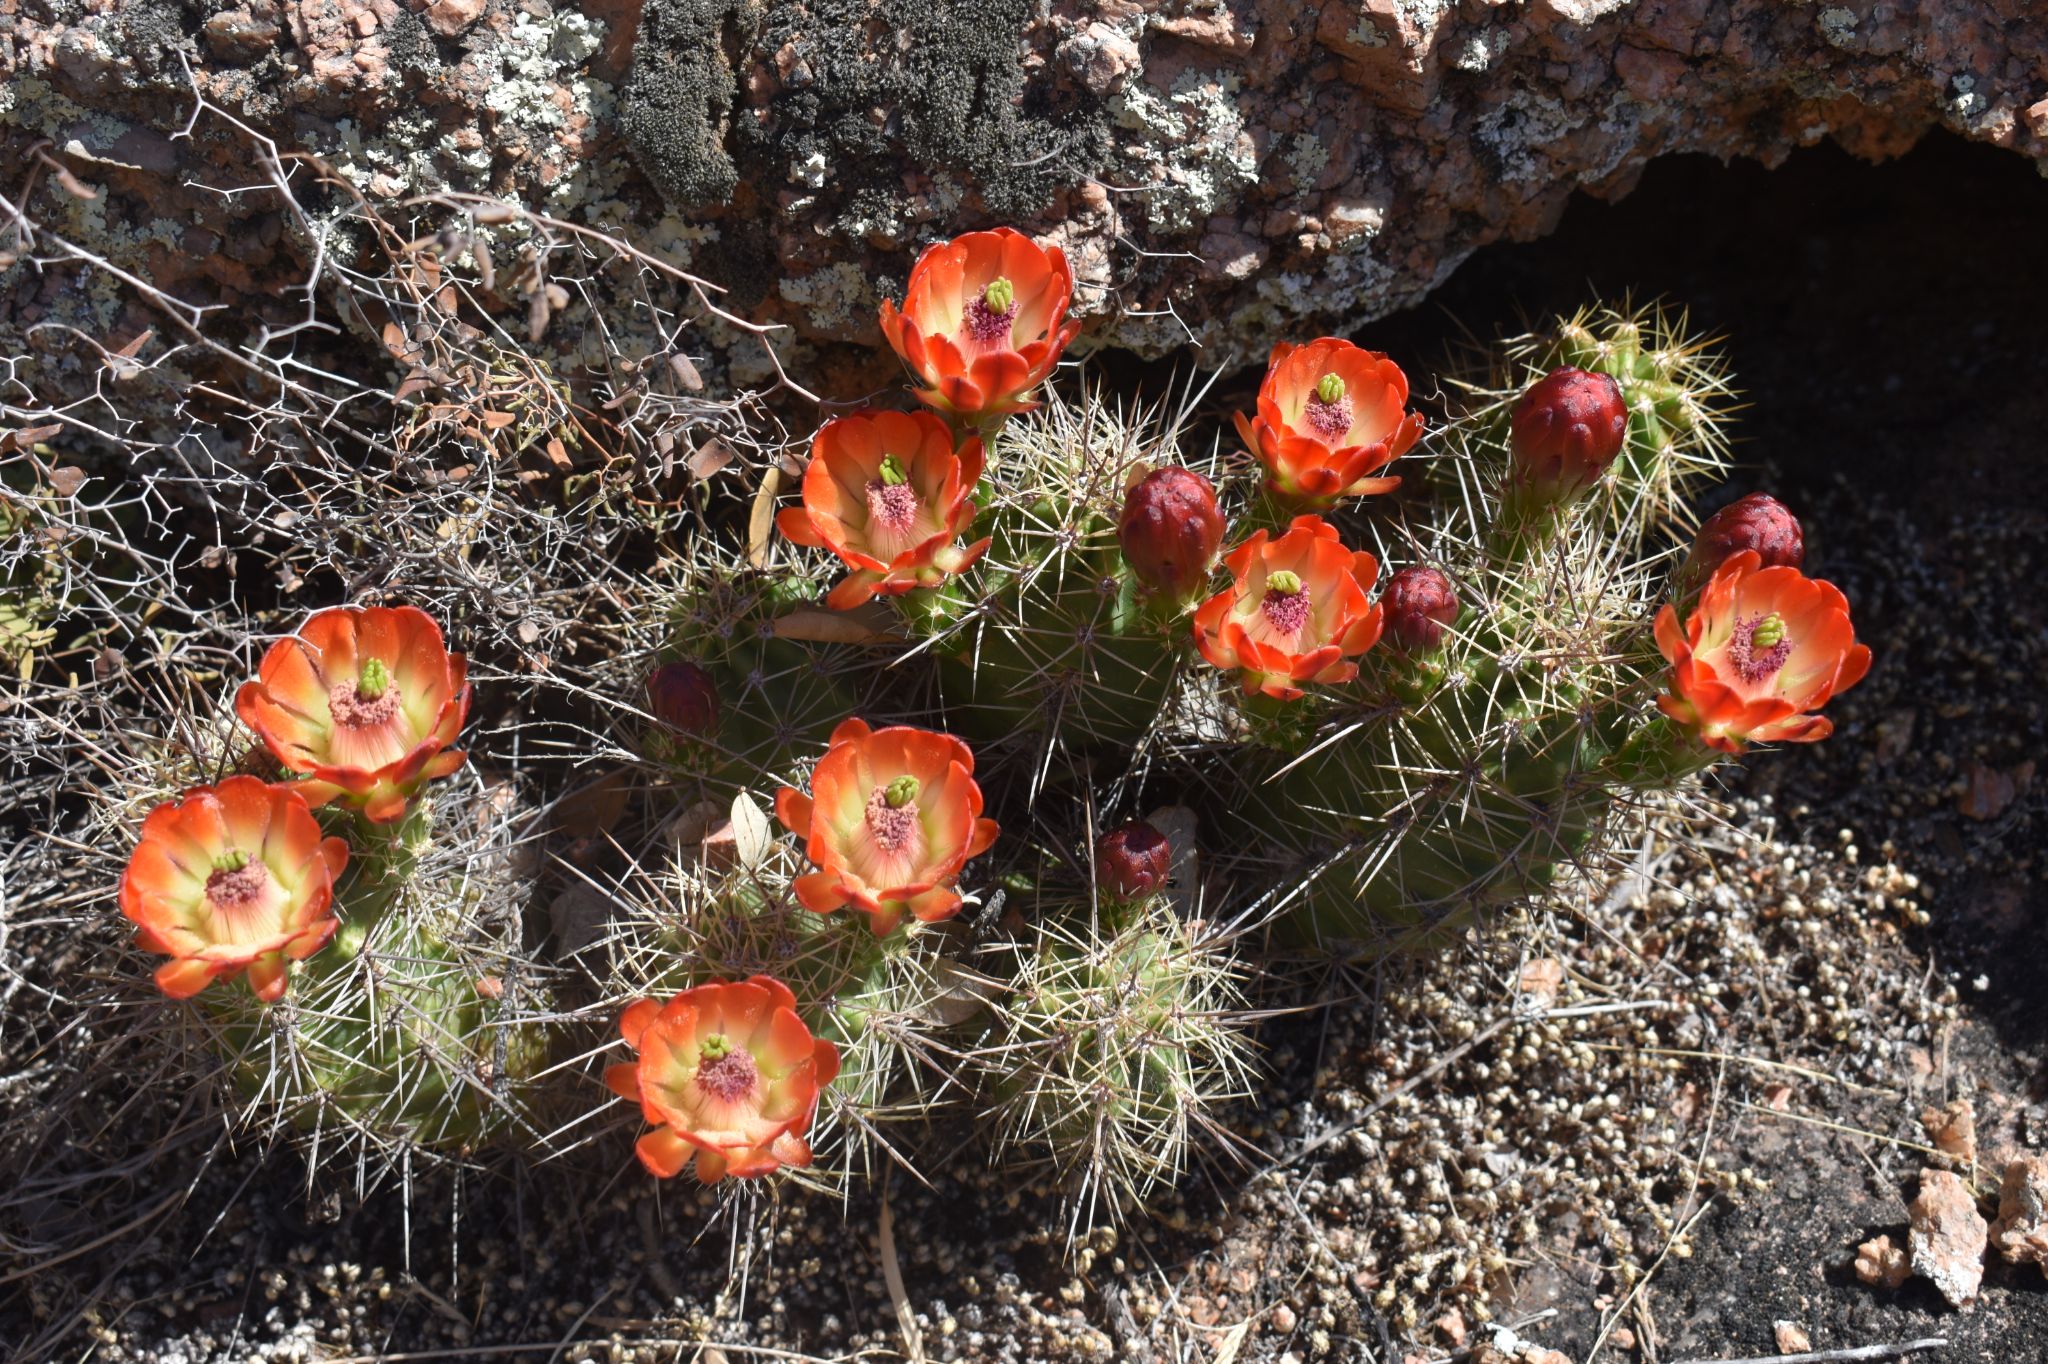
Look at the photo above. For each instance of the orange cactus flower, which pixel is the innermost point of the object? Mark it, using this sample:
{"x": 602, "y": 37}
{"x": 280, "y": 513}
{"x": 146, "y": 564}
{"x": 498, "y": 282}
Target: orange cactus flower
{"x": 230, "y": 878}
{"x": 1763, "y": 650}
{"x": 727, "y": 1073}
{"x": 888, "y": 494}
{"x": 892, "y": 816}
{"x": 1296, "y": 610}
{"x": 1330, "y": 416}
{"x": 365, "y": 700}
{"x": 983, "y": 322}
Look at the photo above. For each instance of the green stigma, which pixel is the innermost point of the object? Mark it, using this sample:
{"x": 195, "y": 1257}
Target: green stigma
{"x": 1769, "y": 632}
{"x": 1285, "y": 582}
{"x": 1330, "y": 389}
{"x": 999, "y": 295}
{"x": 892, "y": 473}
{"x": 715, "y": 1046}
{"x": 234, "y": 859}
{"x": 372, "y": 678}
{"x": 901, "y": 792}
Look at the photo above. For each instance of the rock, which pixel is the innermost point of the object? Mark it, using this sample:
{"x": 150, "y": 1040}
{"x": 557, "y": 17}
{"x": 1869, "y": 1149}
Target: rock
{"x": 2021, "y": 1232}
{"x": 450, "y": 17}
{"x": 1277, "y": 169}
{"x": 1953, "y": 1130}
{"x": 1791, "y": 1337}
{"x": 1948, "y": 1236}
{"x": 1881, "y": 1263}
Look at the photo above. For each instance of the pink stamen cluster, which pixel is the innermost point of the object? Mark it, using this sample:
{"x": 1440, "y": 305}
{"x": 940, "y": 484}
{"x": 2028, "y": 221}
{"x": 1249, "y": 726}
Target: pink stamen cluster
{"x": 233, "y": 888}
{"x": 1750, "y": 664}
{"x": 346, "y": 704}
{"x": 892, "y": 505}
{"x": 728, "y": 1077}
{"x": 1332, "y": 421}
{"x": 891, "y": 825}
{"x": 1288, "y": 611}
{"x": 986, "y": 325}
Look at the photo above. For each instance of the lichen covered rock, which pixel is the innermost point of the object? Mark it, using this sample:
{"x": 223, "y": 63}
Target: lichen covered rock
{"x": 1228, "y": 171}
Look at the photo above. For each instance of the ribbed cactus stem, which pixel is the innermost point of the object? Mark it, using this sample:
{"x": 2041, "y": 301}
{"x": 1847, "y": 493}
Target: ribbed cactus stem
{"x": 1660, "y": 755}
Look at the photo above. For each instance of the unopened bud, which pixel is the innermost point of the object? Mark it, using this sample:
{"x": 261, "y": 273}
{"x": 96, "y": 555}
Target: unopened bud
{"x": 1759, "y": 522}
{"x": 682, "y": 696}
{"x": 1419, "y": 603}
{"x": 1132, "y": 861}
{"x": 1565, "y": 431}
{"x": 1170, "y": 530}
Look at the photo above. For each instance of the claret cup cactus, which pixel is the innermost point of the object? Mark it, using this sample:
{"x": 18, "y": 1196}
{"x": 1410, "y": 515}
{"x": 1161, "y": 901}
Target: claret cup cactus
{"x": 1029, "y": 735}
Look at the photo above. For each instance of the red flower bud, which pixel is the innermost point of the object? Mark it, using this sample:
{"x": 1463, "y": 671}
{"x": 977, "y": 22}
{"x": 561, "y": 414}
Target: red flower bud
{"x": 682, "y": 696}
{"x": 1419, "y": 603}
{"x": 1759, "y": 522}
{"x": 1132, "y": 861}
{"x": 1565, "y": 431}
{"x": 1171, "y": 530}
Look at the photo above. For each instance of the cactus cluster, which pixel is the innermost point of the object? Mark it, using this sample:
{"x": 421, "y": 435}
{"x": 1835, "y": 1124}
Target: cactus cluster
{"x": 1382, "y": 679}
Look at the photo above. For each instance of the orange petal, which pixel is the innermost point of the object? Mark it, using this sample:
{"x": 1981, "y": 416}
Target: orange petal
{"x": 635, "y": 1019}
{"x": 794, "y": 808}
{"x": 184, "y": 978}
{"x": 985, "y": 831}
{"x": 623, "y": 1080}
{"x": 663, "y": 1153}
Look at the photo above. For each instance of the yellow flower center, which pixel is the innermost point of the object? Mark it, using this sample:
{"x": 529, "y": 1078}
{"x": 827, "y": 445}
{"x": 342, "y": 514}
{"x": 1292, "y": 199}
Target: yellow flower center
{"x": 1330, "y": 389}
{"x": 999, "y": 295}
{"x": 372, "y": 678}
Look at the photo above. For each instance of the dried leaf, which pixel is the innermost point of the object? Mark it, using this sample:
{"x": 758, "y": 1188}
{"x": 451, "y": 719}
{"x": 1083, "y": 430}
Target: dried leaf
{"x": 26, "y": 438}
{"x": 67, "y": 479}
{"x": 134, "y": 348}
{"x": 537, "y": 315}
{"x": 762, "y": 521}
{"x": 686, "y": 373}
{"x": 496, "y": 421}
{"x": 1539, "y": 985}
{"x": 73, "y": 186}
{"x": 558, "y": 453}
{"x": 558, "y": 297}
{"x": 708, "y": 458}
{"x": 490, "y": 215}
{"x": 416, "y": 382}
{"x": 486, "y": 268}
{"x": 833, "y": 627}
{"x": 395, "y": 342}
{"x": 751, "y": 833}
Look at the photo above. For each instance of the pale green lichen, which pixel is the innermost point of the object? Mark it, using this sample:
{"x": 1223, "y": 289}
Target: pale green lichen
{"x": 1512, "y": 131}
{"x": 1306, "y": 158}
{"x": 1838, "y": 26}
{"x": 1194, "y": 140}
{"x": 834, "y": 295}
